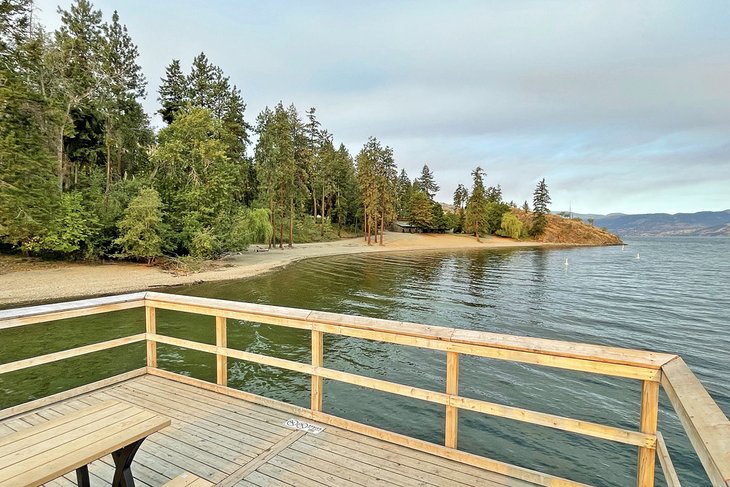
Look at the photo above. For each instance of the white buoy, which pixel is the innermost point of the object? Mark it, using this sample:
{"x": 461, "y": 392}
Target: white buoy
{"x": 566, "y": 262}
{"x": 622, "y": 248}
{"x": 637, "y": 256}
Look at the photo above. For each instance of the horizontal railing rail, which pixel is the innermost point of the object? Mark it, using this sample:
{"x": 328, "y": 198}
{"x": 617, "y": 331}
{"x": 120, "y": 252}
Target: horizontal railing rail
{"x": 706, "y": 425}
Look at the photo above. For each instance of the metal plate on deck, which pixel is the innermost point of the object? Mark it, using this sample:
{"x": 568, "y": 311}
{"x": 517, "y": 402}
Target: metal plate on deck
{"x": 303, "y": 426}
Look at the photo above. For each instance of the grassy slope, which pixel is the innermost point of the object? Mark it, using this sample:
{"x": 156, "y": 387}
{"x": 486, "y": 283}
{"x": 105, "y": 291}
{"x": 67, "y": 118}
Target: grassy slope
{"x": 566, "y": 231}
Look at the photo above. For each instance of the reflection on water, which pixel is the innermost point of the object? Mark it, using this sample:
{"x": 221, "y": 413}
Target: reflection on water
{"x": 672, "y": 300}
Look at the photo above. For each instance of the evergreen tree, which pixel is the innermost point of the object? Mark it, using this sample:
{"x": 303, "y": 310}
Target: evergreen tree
{"x": 345, "y": 187}
{"x": 173, "y": 92}
{"x": 404, "y": 190}
{"x": 540, "y": 202}
{"x": 476, "y": 207}
{"x": 367, "y": 178}
{"x": 427, "y": 183}
{"x": 461, "y": 197}
{"x": 196, "y": 181}
{"x": 28, "y": 191}
{"x": 123, "y": 83}
{"x": 421, "y": 214}
{"x": 439, "y": 221}
{"x": 275, "y": 164}
{"x": 78, "y": 63}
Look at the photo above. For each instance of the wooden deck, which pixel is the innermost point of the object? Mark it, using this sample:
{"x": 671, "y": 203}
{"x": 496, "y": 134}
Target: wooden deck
{"x": 232, "y": 442}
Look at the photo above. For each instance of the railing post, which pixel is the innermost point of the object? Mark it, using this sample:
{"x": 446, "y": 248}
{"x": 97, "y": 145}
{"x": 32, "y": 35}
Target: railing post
{"x": 317, "y": 361}
{"x": 221, "y": 340}
{"x": 648, "y": 425}
{"x": 452, "y": 387}
{"x": 151, "y": 328}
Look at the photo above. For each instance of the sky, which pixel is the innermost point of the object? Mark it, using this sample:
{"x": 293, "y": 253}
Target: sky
{"x": 622, "y": 106}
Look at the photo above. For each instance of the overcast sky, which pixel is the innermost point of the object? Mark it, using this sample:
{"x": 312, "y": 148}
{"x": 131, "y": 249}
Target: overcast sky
{"x": 623, "y": 106}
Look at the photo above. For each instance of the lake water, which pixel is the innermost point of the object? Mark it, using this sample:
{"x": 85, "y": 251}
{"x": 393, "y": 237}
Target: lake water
{"x": 674, "y": 298}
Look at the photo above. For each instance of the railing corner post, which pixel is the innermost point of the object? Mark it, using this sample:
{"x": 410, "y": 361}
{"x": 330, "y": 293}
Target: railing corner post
{"x": 648, "y": 424}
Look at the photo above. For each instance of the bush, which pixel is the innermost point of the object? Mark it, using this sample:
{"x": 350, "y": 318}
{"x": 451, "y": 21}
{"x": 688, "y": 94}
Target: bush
{"x": 141, "y": 229}
{"x": 71, "y": 228}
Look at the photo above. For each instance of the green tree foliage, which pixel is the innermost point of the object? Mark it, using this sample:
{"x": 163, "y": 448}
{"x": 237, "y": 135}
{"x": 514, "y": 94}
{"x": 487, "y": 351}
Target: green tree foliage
{"x": 404, "y": 191}
{"x": 540, "y": 202}
{"x": 196, "y": 181}
{"x": 142, "y": 229}
{"x": 427, "y": 183}
{"x": 276, "y": 165}
{"x": 511, "y": 226}
{"x": 439, "y": 221}
{"x": 28, "y": 192}
{"x": 421, "y": 214}
{"x": 461, "y": 197}
{"x": 476, "y": 207}
{"x": 173, "y": 92}
{"x": 70, "y": 229}
{"x": 376, "y": 172}
{"x": 82, "y": 174}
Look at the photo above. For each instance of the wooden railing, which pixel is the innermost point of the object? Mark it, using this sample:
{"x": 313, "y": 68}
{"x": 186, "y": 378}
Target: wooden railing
{"x": 704, "y": 422}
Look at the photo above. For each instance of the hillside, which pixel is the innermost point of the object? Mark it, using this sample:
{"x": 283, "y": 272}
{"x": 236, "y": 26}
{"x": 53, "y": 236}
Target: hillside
{"x": 566, "y": 231}
{"x": 704, "y": 223}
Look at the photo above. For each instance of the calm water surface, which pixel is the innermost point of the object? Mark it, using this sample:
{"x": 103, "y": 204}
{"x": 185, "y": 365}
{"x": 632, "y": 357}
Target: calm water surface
{"x": 674, "y": 299}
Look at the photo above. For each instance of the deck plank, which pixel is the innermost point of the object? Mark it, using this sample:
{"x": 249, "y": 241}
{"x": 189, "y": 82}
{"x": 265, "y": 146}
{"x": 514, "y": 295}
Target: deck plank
{"x": 235, "y": 443}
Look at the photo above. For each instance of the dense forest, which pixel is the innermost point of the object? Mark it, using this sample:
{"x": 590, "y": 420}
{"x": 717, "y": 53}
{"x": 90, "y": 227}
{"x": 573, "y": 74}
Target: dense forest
{"x": 84, "y": 175}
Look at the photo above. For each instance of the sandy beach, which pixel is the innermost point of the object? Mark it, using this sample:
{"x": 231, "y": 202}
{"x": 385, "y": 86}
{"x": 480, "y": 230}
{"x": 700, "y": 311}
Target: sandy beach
{"x": 58, "y": 280}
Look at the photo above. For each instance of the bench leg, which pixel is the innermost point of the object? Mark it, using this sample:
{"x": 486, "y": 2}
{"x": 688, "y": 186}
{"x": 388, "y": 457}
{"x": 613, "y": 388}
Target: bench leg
{"x": 123, "y": 461}
{"x": 82, "y": 476}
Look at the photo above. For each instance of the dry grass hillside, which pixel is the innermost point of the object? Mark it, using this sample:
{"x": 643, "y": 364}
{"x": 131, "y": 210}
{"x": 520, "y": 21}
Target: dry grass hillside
{"x": 567, "y": 231}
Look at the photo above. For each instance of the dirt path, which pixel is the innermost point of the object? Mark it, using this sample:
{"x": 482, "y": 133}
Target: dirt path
{"x": 26, "y": 282}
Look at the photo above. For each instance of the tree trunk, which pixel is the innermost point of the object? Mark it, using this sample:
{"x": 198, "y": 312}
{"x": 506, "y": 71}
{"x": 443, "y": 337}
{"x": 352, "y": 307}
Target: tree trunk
{"x": 281, "y": 234}
{"x": 382, "y": 227}
{"x": 120, "y": 164}
{"x": 108, "y": 164}
{"x": 339, "y": 217}
{"x": 291, "y": 223}
{"x": 367, "y": 228}
{"x": 321, "y": 230}
{"x": 376, "y": 229}
{"x": 273, "y": 223}
{"x": 314, "y": 203}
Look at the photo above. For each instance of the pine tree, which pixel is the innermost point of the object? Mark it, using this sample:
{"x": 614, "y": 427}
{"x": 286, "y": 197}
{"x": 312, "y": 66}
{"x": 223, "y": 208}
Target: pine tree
{"x": 201, "y": 80}
{"x": 173, "y": 92}
{"x": 476, "y": 207}
{"x": 78, "y": 68}
{"x": 461, "y": 197}
{"x": 421, "y": 214}
{"x": 123, "y": 83}
{"x": 404, "y": 189}
{"x": 276, "y": 165}
{"x": 427, "y": 183}
{"x": 28, "y": 191}
{"x": 367, "y": 161}
{"x": 540, "y": 202}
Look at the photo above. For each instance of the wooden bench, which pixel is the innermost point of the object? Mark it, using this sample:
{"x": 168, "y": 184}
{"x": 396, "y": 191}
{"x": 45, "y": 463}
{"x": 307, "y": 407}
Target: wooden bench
{"x": 35, "y": 455}
{"x": 188, "y": 480}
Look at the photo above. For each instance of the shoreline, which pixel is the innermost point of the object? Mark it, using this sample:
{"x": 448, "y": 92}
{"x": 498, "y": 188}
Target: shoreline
{"x": 63, "y": 280}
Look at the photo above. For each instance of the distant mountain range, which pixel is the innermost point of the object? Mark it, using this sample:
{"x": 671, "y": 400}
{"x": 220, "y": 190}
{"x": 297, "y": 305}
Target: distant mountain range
{"x": 703, "y": 223}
